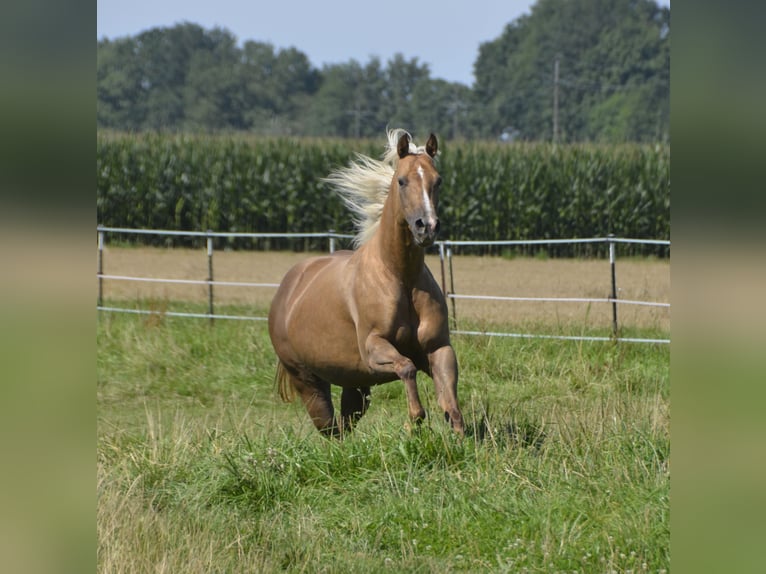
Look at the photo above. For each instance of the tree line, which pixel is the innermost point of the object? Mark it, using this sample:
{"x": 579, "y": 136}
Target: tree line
{"x": 577, "y": 70}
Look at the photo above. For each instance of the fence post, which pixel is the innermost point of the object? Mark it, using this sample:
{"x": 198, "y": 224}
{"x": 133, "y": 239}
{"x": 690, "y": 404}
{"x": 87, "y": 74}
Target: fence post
{"x": 452, "y": 288}
{"x": 210, "y": 277}
{"x": 444, "y": 280}
{"x": 100, "y": 267}
{"x": 332, "y": 240}
{"x": 615, "y": 328}
{"x": 441, "y": 261}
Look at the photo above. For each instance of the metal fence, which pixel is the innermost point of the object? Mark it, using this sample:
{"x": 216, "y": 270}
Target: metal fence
{"x": 445, "y": 252}
{"x": 445, "y": 257}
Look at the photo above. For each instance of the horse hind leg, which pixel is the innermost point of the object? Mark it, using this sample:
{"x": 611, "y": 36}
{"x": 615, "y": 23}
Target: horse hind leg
{"x": 317, "y": 399}
{"x": 314, "y": 393}
{"x": 353, "y": 404}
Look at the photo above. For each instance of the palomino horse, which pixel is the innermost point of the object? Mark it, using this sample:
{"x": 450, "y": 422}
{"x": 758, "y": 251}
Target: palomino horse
{"x": 373, "y": 315}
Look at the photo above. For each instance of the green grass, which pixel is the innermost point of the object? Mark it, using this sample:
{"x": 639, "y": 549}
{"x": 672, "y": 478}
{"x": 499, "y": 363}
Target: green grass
{"x": 201, "y": 468}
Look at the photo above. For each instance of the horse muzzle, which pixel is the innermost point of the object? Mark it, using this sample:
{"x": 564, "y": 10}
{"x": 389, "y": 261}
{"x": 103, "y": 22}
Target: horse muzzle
{"x": 424, "y": 230}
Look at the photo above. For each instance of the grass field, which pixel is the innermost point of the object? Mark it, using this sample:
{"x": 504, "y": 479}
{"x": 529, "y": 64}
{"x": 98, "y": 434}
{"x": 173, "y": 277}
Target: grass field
{"x": 200, "y": 468}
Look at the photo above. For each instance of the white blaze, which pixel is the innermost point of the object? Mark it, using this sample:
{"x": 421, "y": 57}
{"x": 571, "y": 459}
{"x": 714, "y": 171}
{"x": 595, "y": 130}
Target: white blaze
{"x": 426, "y": 200}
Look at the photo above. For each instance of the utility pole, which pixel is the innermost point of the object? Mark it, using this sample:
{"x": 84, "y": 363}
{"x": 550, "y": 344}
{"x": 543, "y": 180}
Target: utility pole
{"x": 358, "y": 112}
{"x": 556, "y": 101}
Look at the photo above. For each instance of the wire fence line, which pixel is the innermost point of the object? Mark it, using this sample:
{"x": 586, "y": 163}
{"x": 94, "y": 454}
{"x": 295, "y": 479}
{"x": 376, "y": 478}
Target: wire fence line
{"x": 559, "y": 337}
{"x": 559, "y": 299}
{"x": 244, "y": 235}
{"x": 518, "y": 242}
{"x": 179, "y": 314}
{"x": 187, "y": 281}
{"x": 445, "y": 253}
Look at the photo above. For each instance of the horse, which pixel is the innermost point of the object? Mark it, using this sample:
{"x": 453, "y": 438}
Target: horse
{"x": 372, "y": 315}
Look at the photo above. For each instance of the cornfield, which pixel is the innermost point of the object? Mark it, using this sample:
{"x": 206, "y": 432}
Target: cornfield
{"x": 490, "y": 191}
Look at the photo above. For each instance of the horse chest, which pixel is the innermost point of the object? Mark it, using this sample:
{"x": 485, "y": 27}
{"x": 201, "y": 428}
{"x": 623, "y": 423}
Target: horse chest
{"x": 404, "y": 335}
{"x": 404, "y": 327}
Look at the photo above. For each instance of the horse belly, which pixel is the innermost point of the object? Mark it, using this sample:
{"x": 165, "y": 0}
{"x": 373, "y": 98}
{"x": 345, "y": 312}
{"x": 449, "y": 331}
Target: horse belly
{"x": 323, "y": 341}
{"x": 311, "y": 325}
{"x": 328, "y": 348}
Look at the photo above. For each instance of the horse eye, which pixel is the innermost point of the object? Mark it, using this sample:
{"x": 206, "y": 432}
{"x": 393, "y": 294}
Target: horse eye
{"x": 438, "y": 182}
{"x": 402, "y": 181}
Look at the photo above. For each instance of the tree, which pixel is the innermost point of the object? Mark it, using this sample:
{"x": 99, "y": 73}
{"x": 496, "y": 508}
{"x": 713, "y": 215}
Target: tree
{"x": 164, "y": 56}
{"x": 294, "y": 81}
{"x": 118, "y": 85}
{"x": 402, "y": 78}
{"x": 441, "y": 107}
{"x": 185, "y": 77}
{"x": 614, "y": 70}
{"x": 213, "y": 94}
{"x": 613, "y": 84}
{"x": 257, "y": 62}
{"x": 349, "y": 102}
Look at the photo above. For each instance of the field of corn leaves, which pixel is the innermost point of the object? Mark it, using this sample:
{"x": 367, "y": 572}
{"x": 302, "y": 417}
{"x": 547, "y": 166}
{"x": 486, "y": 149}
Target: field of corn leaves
{"x": 490, "y": 191}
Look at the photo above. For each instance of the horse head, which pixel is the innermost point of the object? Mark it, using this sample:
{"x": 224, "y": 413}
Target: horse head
{"x": 417, "y": 183}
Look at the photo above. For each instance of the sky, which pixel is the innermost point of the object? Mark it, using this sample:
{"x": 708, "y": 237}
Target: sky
{"x": 444, "y": 34}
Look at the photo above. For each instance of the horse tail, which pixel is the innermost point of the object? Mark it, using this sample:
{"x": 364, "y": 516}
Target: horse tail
{"x": 284, "y": 384}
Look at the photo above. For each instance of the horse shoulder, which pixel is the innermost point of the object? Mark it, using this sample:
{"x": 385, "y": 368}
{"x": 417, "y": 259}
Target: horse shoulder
{"x": 377, "y": 294}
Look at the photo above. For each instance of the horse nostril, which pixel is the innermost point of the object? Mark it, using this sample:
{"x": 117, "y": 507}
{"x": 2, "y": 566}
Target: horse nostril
{"x": 419, "y": 224}
{"x": 436, "y": 226}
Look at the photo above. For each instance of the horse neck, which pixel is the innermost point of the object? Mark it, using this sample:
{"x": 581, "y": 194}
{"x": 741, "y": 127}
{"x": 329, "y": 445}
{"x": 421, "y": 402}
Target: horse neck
{"x": 394, "y": 244}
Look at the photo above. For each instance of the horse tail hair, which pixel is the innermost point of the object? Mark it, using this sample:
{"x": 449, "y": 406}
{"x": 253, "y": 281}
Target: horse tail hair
{"x": 284, "y": 384}
{"x": 363, "y": 185}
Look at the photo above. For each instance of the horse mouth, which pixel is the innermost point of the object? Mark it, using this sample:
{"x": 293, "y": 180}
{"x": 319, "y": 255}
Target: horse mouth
{"x": 424, "y": 233}
{"x": 424, "y": 240}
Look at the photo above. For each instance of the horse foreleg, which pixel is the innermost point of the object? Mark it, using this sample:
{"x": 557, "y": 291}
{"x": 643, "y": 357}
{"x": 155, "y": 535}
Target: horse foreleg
{"x": 382, "y": 357}
{"x": 443, "y": 365}
{"x": 416, "y": 410}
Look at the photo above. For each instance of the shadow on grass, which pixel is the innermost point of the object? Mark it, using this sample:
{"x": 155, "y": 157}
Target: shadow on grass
{"x": 507, "y": 430}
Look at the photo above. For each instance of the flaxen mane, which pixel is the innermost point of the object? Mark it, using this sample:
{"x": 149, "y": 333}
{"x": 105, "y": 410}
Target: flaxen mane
{"x": 363, "y": 185}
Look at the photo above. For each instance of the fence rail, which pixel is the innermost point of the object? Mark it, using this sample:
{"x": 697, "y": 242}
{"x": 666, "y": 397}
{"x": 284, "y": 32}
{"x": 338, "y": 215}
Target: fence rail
{"x": 187, "y": 281}
{"x": 509, "y": 242}
{"x": 559, "y": 299}
{"x": 319, "y": 234}
{"x": 445, "y": 253}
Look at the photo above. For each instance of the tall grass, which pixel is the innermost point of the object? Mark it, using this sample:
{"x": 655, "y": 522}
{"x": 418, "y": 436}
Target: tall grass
{"x": 490, "y": 191}
{"x": 201, "y": 469}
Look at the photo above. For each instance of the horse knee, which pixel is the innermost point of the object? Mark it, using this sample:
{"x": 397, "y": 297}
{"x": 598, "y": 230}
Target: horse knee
{"x": 406, "y": 370}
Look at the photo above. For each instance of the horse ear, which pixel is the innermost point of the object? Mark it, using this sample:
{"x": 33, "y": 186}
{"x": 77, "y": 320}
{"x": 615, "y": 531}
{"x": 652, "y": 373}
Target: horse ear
{"x": 403, "y": 147}
{"x": 432, "y": 145}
